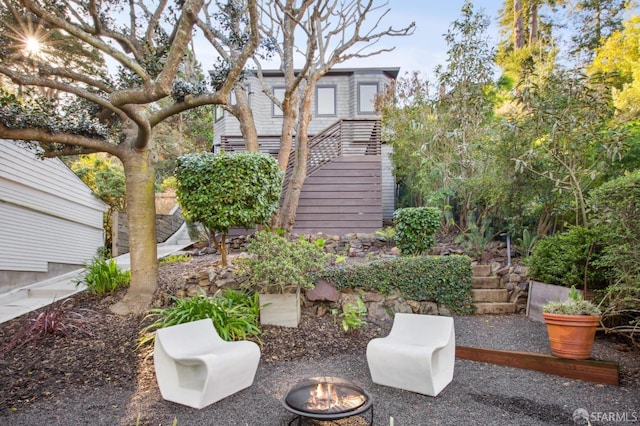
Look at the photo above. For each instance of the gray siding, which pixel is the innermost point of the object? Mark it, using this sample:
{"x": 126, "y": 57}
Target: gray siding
{"x": 388, "y": 184}
{"x": 345, "y": 80}
{"x": 47, "y": 215}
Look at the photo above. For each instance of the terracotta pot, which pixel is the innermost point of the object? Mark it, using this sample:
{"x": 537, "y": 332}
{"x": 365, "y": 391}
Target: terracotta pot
{"x": 571, "y": 336}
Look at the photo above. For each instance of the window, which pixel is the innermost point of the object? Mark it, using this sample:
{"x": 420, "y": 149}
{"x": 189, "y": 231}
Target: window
{"x": 218, "y": 112}
{"x": 367, "y": 93}
{"x": 278, "y": 92}
{"x": 326, "y": 100}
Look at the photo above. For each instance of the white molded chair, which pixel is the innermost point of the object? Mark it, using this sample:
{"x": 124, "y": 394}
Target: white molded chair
{"x": 417, "y": 355}
{"x": 195, "y": 367}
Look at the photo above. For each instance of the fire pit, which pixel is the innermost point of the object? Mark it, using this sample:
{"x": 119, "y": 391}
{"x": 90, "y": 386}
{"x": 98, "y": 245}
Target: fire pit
{"x": 327, "y": 398}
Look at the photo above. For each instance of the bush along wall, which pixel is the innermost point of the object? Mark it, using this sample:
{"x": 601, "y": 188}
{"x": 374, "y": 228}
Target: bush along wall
{"x": 445, "y": 280}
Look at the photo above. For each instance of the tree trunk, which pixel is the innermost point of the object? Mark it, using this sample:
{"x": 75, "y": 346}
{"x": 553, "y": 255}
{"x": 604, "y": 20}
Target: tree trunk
{"x": 140, "y": 171}
{"x": 518, "y": 25}
{"x": 242, "y": 111}
{"x": 292, "y": 196}
{"x": 286, "y": 142}
{"x": 533, "y": 25}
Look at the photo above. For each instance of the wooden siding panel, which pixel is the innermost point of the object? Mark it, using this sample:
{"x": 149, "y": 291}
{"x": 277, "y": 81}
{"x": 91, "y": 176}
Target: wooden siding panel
{"x": 340, "y": 209}
{"x": 333, "y": 203}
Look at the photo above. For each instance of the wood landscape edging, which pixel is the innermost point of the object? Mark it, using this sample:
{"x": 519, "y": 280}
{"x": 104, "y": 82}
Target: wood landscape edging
{"x": 590, "y": 370}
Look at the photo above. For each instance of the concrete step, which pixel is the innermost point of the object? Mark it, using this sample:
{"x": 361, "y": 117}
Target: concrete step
{"x": 481, "y": 270}
{"x": 490, "y": 295}
{"x": 495, "y": 308}
{"x": 486, "y": 282}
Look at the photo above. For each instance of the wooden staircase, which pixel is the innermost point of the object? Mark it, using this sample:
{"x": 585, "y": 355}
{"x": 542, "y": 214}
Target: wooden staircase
{"x": 488, "y": 295}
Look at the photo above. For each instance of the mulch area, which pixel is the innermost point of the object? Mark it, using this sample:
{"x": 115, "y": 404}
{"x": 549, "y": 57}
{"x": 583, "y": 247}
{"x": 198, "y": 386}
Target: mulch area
{"x": 103, "y": 350}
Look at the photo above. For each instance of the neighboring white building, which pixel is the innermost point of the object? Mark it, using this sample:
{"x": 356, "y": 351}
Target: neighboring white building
{"x": 350, "y": 186}
{"x": 50, "y": 221}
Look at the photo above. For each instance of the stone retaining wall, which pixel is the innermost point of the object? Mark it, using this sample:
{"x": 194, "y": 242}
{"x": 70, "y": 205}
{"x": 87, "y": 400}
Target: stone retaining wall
{"x": 358, "y": 248}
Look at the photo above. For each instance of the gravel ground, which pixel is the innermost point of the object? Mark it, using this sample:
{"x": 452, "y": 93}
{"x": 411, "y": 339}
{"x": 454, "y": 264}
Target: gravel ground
{"x": 480, "y": 394}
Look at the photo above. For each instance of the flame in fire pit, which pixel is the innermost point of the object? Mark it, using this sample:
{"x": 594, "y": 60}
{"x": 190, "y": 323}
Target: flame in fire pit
{"x": 326, "y": 396}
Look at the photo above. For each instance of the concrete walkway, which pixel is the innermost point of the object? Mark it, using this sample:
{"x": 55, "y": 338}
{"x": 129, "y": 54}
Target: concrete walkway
{"x": 34, "y": 296}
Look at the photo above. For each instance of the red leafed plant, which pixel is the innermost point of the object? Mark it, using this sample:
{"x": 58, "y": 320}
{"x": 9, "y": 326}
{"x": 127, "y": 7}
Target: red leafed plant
{"x": 56, "y": 319}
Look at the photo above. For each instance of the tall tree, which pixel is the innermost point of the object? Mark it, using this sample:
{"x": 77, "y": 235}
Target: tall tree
{"x": 97, "y": 113}
{"x": 527, "y": 34}
{"x": 322, "y": 34}
{"x": 594, "y": 21}
{"x": 463, "y": 109}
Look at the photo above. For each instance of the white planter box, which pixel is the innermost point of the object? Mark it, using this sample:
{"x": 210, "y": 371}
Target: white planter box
{"x": 280, "y": 309}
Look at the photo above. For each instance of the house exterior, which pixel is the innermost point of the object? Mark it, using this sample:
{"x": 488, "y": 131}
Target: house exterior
{"x": 50, "y": 221}
{"x": 350, "y": 186}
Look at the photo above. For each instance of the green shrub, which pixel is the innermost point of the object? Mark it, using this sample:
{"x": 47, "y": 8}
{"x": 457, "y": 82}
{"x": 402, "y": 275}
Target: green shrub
{"x": 567, "y": 259}
{"x": 234, "y": 314}
{"x": 415, "y": 229}
{"x": 103, "y": 276}
{"x": 615, "y": 208}
{"x": 353, "y": 316}
{"x": 442, "y": 279}
{"x": 277, "y": 265}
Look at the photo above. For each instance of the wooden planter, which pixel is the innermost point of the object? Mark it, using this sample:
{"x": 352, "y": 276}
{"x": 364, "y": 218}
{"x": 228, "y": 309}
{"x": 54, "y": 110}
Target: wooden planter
{"x": 280, "y": 309}
{"x": 571, "y": 336}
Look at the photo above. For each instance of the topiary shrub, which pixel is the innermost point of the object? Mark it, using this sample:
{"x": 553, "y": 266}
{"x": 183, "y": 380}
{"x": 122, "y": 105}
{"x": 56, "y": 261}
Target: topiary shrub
{"x": 224, "y": 190}
{"x": 442, "y": 279}
{"x": 415, "y": 229}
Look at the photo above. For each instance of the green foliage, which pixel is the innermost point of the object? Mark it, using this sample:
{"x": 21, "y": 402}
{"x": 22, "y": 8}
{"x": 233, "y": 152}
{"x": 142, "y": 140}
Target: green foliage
{"x": 572, "y": 139}
{"x": 174, "y": 258}
{"x": 388, "y": 233}
{"x": 475, "y": 237}
{"x": 55, "y": 319}
{"x": 442, "y": 279}
{"x": 574, "y": 305}
{"x": 103, "y": 276}
{"x": 525, "y": 244}
{"x": 621, "y": 310}
{"x": 415, "y": 229}
{"x": 569, "y": 259}
{"x": 353, "y": 316}
{"x": 105, "y": 176}
{"x": 234, "y": 314}
{"x": 277, "y": 265}
{"x": 226, "y": 190}
{"x": 615, "y": 208}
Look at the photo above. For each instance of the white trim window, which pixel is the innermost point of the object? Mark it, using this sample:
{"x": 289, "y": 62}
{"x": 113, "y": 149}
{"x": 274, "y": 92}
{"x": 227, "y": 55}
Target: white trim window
{"x": 367, "y": 93}
{"x": 218, "y": 112}
{"x": 278, "y": 93}
{"x": 326, "y": 100}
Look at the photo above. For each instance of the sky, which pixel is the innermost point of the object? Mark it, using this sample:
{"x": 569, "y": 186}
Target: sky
{"x": 423, "y": 50}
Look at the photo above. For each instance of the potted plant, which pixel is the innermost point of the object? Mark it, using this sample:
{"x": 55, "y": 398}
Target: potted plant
{"x": 571, "y": 325}
{"x": 278, "y": 269}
